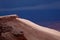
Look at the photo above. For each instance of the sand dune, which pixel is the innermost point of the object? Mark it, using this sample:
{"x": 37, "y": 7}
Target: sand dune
{"x": 31, "y": 30}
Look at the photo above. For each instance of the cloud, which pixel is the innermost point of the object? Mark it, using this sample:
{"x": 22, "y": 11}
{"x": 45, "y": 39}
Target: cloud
{"x": 55, "y": 5}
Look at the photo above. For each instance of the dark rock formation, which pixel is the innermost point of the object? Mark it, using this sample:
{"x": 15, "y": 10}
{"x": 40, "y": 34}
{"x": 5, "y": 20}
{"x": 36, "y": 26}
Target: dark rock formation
{"x": 4, "y": 28}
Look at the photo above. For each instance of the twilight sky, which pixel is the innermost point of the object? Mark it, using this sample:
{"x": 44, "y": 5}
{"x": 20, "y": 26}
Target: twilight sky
{"x": 41, "y": 12}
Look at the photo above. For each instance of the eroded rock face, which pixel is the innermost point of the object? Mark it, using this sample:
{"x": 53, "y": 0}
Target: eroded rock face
{"x": 6, "y": 28}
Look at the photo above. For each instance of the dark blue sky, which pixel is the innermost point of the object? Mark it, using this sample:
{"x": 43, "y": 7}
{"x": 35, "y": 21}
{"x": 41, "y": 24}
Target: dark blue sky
{"x": 41, "y": 12}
